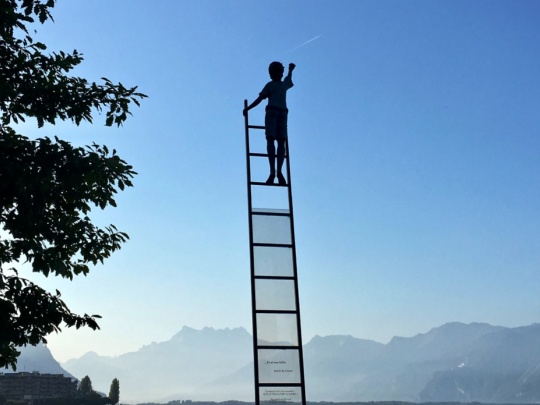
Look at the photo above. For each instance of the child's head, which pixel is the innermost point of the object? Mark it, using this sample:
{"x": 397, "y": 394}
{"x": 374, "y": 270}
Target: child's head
{"x": 276, "y": 70}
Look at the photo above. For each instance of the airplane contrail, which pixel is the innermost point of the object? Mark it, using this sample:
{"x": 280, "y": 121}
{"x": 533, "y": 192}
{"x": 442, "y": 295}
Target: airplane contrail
{"x": 305, "y": 43}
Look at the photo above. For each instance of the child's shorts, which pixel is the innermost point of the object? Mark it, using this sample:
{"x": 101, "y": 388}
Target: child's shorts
{"x": 275, "y": 123}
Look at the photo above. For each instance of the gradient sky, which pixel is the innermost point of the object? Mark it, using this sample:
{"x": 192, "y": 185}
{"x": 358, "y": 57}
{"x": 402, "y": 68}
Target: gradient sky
{"x": 415, "y": 151}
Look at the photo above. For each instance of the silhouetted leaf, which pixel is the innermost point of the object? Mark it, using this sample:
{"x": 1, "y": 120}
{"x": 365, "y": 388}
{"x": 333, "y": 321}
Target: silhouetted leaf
{"x": 48, "y": 186}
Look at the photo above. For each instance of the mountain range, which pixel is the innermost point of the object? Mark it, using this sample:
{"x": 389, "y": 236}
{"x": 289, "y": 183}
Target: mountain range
{"x": 455, "y": 362}
{"x": 38, "y": 358}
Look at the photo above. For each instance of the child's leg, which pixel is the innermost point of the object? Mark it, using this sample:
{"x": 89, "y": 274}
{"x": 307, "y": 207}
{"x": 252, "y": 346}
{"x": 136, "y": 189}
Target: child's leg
{"x": 270, "y": 121}
{"x": 281, "y": 139}
{"x": 280, "y": 154}
{"x": 280, "y": 159}
{"x": 271, "y": 149}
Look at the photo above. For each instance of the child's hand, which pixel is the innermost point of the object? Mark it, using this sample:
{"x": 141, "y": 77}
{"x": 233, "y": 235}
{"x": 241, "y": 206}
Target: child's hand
{"x": 291, "y": 66}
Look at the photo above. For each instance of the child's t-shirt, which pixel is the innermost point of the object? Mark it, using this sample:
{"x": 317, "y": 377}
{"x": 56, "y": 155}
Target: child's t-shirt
{"x": 276, "y": 92}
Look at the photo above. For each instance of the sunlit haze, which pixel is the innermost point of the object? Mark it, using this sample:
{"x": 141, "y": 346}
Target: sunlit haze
{"x": 414, "y": 133}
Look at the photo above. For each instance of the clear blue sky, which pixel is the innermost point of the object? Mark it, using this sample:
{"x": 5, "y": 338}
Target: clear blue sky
{"x": 415, "y": 140}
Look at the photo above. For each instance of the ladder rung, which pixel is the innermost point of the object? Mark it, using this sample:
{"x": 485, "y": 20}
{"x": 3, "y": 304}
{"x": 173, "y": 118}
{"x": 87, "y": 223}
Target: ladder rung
{"x": 273, "y": 347}
{"x": 274, "y": 277}
{"x": 280, "y": 384}
{"x": 257, "y": 154}
{"x": 271, "y": 214}
{"x": 274, "y": 311}
{"x": 256, "y": 126}
{"x": 260, "y": 183}
{"x": 280, "y": 245}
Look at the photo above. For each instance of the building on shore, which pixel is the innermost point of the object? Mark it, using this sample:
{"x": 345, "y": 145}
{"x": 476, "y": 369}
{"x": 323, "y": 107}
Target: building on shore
{"x": 31, "y": 386}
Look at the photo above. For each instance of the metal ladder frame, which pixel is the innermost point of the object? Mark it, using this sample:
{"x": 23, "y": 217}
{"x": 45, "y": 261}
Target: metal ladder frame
{"x": 254, "y": 277}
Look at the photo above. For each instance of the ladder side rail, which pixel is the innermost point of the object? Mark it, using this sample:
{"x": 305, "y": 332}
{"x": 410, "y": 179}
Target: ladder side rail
{"x": 252, "y": 262}
{"x": 295, "y": 273}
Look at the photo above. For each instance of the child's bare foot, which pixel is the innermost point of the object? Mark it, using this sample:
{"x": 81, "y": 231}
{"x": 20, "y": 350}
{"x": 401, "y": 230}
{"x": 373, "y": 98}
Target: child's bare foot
{"x": 281, "y": 180}
{"x": 270, "y": 179}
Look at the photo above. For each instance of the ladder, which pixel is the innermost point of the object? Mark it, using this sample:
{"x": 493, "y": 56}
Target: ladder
{"x": 277, "y": 338}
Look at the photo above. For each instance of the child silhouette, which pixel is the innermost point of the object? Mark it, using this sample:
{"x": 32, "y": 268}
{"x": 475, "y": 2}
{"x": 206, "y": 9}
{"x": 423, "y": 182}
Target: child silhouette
{"x": 275, "y": 120}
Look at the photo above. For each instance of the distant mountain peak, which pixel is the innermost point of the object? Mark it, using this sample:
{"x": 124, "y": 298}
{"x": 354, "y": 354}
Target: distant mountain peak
{"x": 38, "y": 358}
{"x": 207, "y": 332}
{"x": 456, "y": 329}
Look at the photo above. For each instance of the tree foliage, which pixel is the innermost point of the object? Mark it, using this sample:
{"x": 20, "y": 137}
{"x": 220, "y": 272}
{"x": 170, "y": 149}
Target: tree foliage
{"x": 47, "y": 186}
{"x": 85, "y": 387}
{"x": 114, "y": 392}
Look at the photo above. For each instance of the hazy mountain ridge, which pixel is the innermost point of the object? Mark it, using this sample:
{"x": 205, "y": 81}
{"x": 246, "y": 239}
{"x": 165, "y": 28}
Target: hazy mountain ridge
{"x": 37, "y": 358}
{"x": 178, "y": 366}
{"x": 454, "y": 362}
{"x": 503, "y": 367}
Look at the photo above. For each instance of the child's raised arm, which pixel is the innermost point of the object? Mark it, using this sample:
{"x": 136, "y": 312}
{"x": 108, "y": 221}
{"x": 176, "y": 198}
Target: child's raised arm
{"x": 291, "y": 68}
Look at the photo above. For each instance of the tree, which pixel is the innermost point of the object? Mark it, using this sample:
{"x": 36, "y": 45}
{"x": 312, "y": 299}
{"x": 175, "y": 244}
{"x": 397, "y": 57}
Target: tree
{"x": 47, "y": 186}
{"x": 114, "y": 392}
{"x": 85, "y": 387}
